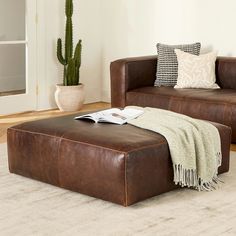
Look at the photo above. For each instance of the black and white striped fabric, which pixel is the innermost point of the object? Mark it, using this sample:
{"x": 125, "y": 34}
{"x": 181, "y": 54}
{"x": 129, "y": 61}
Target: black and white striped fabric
{"x": 167, "y": 64}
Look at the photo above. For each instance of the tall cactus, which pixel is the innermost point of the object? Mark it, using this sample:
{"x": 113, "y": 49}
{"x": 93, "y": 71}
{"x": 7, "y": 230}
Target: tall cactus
{"x": 70, "y": 61}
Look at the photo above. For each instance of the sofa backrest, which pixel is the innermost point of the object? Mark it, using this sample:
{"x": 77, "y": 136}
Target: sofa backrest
{"x": 226, "y": 72}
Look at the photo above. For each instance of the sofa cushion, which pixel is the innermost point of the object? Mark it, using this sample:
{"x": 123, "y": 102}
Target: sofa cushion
{"x": 218, "y": 105}
{"x": 196, "y": 71}
{"x": 167, "y": 65}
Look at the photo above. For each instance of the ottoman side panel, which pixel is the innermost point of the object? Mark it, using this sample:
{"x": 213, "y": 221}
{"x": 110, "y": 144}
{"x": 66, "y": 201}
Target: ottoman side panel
{"x": 225, "y": 135}
{"x": 33, "y": 155}
{"x": 92, "y": 170}
{"x": 149, "y": 172}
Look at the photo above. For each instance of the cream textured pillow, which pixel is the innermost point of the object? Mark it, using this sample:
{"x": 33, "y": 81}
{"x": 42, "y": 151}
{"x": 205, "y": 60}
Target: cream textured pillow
{"x": 196, "y": 71}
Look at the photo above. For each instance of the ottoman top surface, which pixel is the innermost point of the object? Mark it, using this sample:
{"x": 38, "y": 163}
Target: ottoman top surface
{"x": 123, "y": 138}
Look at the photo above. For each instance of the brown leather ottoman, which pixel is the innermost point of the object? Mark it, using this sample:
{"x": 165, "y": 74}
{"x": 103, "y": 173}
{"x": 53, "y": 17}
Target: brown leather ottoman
{"x": 121, "y": 164}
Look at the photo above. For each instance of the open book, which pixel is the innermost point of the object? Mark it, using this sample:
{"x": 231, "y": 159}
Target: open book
{"x": 113, "y": 115}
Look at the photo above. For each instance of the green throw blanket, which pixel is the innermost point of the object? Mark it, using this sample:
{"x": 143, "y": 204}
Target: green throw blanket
{"x": 194, "y": 145}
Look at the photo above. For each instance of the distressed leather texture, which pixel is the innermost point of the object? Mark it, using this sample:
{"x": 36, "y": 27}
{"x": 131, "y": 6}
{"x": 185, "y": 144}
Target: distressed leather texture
{"x": 132, "y": 82}
{"x": 121, "y": 164}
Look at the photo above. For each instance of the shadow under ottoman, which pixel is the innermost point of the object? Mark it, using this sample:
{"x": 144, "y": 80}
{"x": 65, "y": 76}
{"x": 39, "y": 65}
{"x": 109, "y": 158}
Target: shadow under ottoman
{"x": 122, "y": 164}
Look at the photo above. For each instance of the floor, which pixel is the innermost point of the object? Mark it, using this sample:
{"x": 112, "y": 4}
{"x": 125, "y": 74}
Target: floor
{"x": 29, "y": 207}
{"x": 10, "y": 120}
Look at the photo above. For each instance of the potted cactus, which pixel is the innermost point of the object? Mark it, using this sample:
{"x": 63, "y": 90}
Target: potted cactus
{"x": 70, "y": 95}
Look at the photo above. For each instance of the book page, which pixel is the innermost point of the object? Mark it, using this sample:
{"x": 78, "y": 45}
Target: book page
{"x": 119, "y": 116}
{"x": 131, "y": 112}
{"x": 92, "y": 116}
{"x": 113, "y": 115}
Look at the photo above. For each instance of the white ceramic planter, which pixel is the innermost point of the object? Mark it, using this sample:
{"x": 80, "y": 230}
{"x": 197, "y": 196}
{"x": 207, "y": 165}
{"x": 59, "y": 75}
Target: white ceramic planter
{"x": 70, "y": 98}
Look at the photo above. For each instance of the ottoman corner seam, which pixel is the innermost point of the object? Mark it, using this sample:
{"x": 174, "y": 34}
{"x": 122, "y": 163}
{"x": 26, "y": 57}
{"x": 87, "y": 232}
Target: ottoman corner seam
{"x": 125, "y": 180}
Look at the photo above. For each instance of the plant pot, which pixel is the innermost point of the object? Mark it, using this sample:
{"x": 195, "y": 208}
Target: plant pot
{"x": 70, "y": 98}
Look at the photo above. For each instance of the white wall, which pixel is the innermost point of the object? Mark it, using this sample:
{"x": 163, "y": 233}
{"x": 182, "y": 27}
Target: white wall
{"x": 113, "y": 29}
{"x": 133, "y": 27}
{"x": 87, "y": 25}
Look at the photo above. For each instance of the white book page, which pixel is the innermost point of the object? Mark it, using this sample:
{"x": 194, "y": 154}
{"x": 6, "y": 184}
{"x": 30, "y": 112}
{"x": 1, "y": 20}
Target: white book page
{"x": 92, "y": 116}
{"x": 118, "y": 116}
{"x": 113, "y": 115}
{"x": 132, "y": 113}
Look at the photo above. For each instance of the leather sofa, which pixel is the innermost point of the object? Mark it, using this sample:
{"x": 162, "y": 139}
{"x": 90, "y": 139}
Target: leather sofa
{"x": 132, "y": 82}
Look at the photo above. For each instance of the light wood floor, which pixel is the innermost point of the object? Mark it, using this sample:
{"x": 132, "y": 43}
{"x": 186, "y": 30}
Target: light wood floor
{"x": 233, "y": 147}
{"x": 10, "y": 120}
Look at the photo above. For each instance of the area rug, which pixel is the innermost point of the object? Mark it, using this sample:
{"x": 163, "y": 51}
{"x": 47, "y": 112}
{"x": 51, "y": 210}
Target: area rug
{"x": 29, "y": 207}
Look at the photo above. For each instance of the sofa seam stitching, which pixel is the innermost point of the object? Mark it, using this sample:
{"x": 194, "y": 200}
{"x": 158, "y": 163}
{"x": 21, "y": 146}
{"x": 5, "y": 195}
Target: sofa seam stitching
{"x": 58, "y": 159}
{"x": 184, "y": 98}
{"x": 93, "y": 145}
{"x": 62, "y": 138}
{"x": 126, "y": 181}
{"x": 148, "y": 146}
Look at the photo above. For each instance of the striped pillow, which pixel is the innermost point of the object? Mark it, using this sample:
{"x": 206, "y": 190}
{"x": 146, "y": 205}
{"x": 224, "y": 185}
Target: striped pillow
{"x": 167, "y": 64}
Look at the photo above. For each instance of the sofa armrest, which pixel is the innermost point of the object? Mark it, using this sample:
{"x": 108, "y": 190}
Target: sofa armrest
{"x": 131, "y": 73}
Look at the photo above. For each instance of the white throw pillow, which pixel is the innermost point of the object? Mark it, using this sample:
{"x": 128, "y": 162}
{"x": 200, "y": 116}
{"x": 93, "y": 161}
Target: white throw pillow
{"x": 196, "y": 71}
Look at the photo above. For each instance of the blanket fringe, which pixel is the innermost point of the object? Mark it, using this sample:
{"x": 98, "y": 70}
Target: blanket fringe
{"x": 189, "y": 178}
